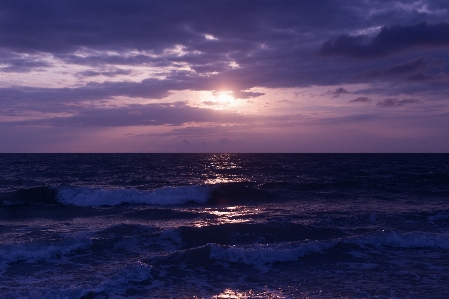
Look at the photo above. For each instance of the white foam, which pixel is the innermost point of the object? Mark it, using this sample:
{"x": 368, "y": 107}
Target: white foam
{"x": 258, "y": 255}
{"x": 91, "y": 197}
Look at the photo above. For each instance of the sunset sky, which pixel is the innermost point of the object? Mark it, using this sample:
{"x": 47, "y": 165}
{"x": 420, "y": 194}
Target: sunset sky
{"x": 224, "y": 76}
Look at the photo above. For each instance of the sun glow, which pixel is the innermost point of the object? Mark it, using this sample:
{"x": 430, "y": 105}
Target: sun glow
{"x": 224, "y": 98}
{"x": 221, "y": 100}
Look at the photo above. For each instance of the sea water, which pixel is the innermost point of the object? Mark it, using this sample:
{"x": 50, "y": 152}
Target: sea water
{"x": 224, "y": 226}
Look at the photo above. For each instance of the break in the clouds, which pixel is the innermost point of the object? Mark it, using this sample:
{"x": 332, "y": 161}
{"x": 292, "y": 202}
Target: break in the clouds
{"x": 287, "y": 66}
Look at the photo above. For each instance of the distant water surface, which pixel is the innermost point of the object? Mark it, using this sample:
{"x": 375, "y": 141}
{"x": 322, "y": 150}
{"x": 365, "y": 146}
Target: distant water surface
{"x": 224, "y": 226}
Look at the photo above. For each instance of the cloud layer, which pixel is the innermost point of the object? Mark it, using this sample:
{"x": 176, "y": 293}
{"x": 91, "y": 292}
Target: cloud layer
{"x": 120, "y": 63}
{"x": 389, "y": 40}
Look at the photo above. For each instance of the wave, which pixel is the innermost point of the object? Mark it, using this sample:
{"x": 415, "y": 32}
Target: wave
{"x": 261, "y": 233}
{"x": 219, "y": 194}
{"x": 90, "y": 197}
{"x": 407, "y": 240}
{"x": 108, "y": 282}
{"x": 265, "y": 254}
{"x": 239, "y": 193}
{"x": 45, "y": 195}
{"x": 96, "y": 197}
{"x": 32, "y": 251}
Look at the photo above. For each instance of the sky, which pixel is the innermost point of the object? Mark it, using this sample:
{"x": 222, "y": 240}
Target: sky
{"x": 224, "y": 76}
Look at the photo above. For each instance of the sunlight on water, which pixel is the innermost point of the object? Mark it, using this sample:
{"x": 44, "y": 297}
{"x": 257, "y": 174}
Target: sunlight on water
{"x": 223, "y": 180}
{"x": 232, "y": 294}
{"x": 219, "y": 170}
{"x": 237, "y": 214}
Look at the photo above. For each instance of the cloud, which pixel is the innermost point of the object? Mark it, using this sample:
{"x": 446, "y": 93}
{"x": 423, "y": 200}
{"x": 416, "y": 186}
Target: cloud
{"x": 264, "y": 38}
{"x": 413, "y": 70}
{"x": 173, "y": 114}
{"x": 247, "y": 94}
{"x": 394, "y": 102}
{"x": 257, "y": 44}
{"x": 211, "y": 103}
{"x": 35, "y": 97}
{"x": 107, "y": 73}
{"x": 265, "y": 44}
{"x": 426, "y": 77}
{"x": 337, "y": 92}
{"x": 355, "y": 118}
{"x": 361, "y": 100}
{"x": 11, "y": 62}
{"x": 38, "y": 97}
{"x": 411, "y": 66}
{"x": 391, "y": 39}
{"x": 66, "y": 25}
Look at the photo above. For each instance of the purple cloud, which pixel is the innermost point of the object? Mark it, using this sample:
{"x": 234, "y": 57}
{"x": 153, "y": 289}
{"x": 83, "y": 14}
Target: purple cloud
{"x": 107, "y": 73}
{"x": 74, "y": 58}
{"x": 11, "y": 62}
{"x": 394, "y": 102}
{"x": 337, "y": 92}
{"x": 172, "y": 114}
{"x": 390, "y": 39}
{"x": 361, "y": 100}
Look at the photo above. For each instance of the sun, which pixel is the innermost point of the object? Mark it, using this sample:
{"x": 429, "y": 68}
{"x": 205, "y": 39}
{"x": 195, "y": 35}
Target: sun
{"x": 224, "y": 98}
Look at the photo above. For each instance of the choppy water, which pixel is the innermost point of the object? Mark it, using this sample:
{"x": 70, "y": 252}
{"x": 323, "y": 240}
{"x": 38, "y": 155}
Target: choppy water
{"x": 224, "y": 226}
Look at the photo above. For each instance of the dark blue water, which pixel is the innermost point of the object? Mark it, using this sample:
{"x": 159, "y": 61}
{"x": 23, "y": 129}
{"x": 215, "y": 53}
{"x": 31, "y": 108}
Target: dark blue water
{"x": 224, "y": 226}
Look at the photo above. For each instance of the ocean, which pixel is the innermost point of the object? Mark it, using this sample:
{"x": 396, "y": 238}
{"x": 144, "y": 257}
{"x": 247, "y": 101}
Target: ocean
{"x": 224, "y": 226}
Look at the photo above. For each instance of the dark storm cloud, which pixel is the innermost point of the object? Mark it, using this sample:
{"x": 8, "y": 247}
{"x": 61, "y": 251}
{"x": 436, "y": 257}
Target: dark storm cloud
{"x": 390, "y": 39}
{"x": 394, "y": 102}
